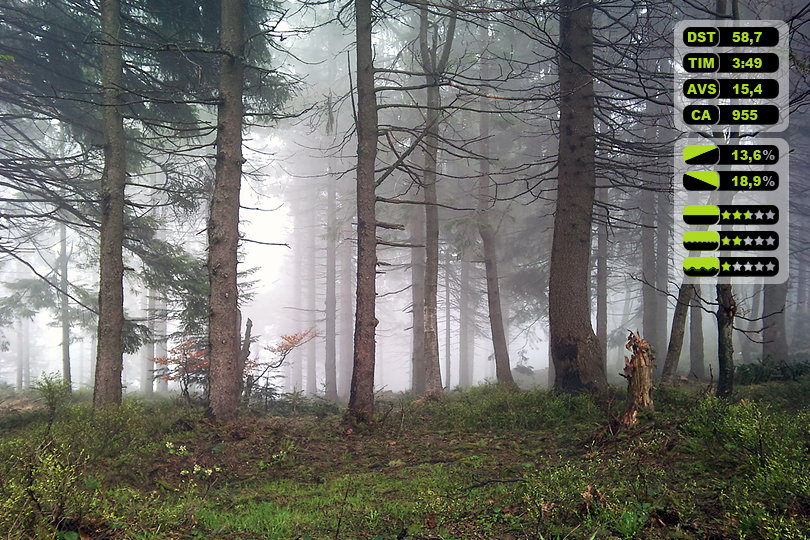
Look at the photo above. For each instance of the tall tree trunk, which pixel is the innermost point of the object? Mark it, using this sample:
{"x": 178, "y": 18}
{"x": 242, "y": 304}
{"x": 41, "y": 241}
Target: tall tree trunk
{"x": 223, "y": 223}
{"x": 774, "y": 336}
{"x": 447, "y": 320}
{"x": 726, "y": 310}
{"x": 649, "y": 296}
{"x": 361, "y": 401}
{"x": 346, "y": 320}
{"x": 330, "y": 303}
{"x": 433, "y": 376}
{"x": 312, "y": 292}
{"x": 697, "y": 360}
{"x": 158, "y": 317}
{"x": 24, "y": 354}
{"x": 726, "y": 303}
{"x": 93, "y": 358}
{"x": 64, "y": 311}
{"x": 418, "y": 301}
{"x": 465, "y": 333}
{"x": 799, "y": 339}
{"x": 663, "y": 217}
{"x": 602, "y": 285}
{"x": 433, "y": 59}
{"x": 627, "y": 322}
{"x": 299, "y": 357}
{"x": 749, "y": 348}
{"x": 574, "y": 348}
{"x": 148, "y": 366}
{"x": 107, "y": 390}
{"x": 503, "y": 369}
{"x": 685, "y": 293}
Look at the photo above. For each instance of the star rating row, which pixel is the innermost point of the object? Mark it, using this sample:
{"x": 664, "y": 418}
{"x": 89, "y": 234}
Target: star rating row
{"x": 748, "y": 215}
{"x": 745, "y": 214}
{"x": 748, "y": 267}
{"x": 749, "y": 241}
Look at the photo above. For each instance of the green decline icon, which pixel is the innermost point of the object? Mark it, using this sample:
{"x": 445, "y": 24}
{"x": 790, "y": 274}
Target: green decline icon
{"x": 701, "y": 266}
{"x": 701, "y": 154}
{"x": 701, "y": 180}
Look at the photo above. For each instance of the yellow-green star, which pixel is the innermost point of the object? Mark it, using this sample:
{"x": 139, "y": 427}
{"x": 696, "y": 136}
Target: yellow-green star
{"x": 737, "y": 215}
{"x": 726, "y": 215}
{"x": 726, "y": 241}
{"x": 726, "y": 267}
{"x": 737, "y": 240}
{"x": 747, "y": 215}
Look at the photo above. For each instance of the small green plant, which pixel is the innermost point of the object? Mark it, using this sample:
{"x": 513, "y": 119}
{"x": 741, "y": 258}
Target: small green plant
{"x": 203, "y": 473}
{"x": 770, "y": 369}
{"x": 180, "y": 450}
{"x": 765, "y": 449}
{"x": 632, "y": 520}
{"x": 287, "y": 447}
{"x": 54, "y": 391}
{"x": 40, "y": 489}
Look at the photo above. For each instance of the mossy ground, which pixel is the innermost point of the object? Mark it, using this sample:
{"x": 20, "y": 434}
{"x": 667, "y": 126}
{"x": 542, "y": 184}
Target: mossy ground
{"x": 479, "y": 464}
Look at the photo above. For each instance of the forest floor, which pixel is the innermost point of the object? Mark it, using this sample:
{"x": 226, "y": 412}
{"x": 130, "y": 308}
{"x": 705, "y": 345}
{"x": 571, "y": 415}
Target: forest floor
{"x": 480, "y": 464}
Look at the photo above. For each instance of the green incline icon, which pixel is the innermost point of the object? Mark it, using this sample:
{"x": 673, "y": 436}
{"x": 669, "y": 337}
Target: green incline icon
{"x": 701, "y": 180}
{"x": 701, "y": 240}
{"x": 701, "y": 266}
{"x": 701, "y": 214}
{"x": 701, "y": 154}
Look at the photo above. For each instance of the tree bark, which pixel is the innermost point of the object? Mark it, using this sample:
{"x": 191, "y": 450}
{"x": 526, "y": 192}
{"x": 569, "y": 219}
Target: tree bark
{"x": 574, "y": 348}
{"x": 299, "y": 239}
{"x": 638, "y": 370}
{"x": 223, "y": 223}
{"x": 801, "y": 328}
{"x": 24, "y": 354}
{"x": 64, "y": 306}
{"x": 330, "y": 303}
{"x": 108, "y": 389}
{"x": 418, "y": 301}
{"x": 663, "y": 217}
{"x": 447, "y": 320}
{"x": 465, "y": 334}
{"x": 685, "y": 294}
{"x": 312, "y": 291}
{"x": 361, "y": 401}
{"x": 726, "y": 303}
{"x": 158, "y": 316}
{"x": 750, "y": 349}
{"x": 433, "y": 64}
{"x": 433, "y": 376}
{"x": 774, "y": 336}
{"x": 148, "y": 352}
{"x": 244, "y": 356}
{"x": 697, "y": 360}
{"x": 503, "y": 369}
{"x": 602, "y": 286}
{"x": 726, "y": 310}
{"x": 346, "y": 321}
{"x": 649, "y": 296}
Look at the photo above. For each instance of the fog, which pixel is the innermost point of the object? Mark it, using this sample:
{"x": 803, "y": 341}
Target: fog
{"x": 498, "y": 118}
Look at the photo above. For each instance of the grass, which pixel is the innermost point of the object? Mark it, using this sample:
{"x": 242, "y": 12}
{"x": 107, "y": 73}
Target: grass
{"x": 480, "y": 464}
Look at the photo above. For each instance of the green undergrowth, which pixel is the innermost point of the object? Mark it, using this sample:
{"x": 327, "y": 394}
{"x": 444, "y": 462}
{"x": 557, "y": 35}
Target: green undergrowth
{"x": 485, "y": 463}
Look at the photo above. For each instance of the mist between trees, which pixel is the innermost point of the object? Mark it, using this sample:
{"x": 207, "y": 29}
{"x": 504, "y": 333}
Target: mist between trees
{"x": 346, "y": 198}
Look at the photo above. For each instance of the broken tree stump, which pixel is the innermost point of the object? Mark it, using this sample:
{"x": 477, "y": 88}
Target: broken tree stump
{"x": 638, "y": 370}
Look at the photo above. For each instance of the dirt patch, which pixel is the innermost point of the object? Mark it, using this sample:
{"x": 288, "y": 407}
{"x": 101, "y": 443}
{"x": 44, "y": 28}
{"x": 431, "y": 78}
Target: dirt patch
{"x": 11, "y": 405}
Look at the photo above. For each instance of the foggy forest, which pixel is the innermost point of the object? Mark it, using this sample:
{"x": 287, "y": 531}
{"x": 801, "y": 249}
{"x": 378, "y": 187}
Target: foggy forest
{"x": 389, "y": 269}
